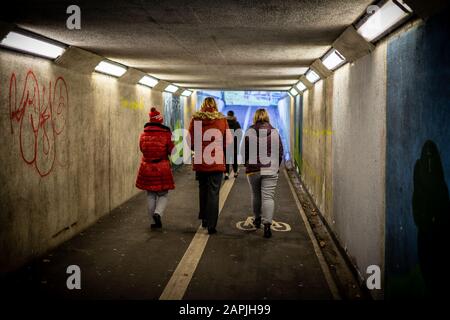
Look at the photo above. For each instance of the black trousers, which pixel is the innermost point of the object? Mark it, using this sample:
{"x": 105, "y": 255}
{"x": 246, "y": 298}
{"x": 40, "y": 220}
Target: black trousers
{"x": 209, "y": 187}
{"x": 235, "y": 167}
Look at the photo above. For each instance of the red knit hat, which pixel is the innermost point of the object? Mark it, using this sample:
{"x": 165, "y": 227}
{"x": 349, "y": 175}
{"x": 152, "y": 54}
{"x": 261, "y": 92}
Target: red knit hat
{"x": 155, "y": 116}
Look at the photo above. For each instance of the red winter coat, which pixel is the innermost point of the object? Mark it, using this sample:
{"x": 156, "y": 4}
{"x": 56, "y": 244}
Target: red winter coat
{"x": 155, "y": 172}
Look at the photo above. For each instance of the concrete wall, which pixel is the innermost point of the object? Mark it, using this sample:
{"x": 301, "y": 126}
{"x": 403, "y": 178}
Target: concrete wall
{"x": 297, "y": 127}
{"x": 284, "y": 125}
{"x": 343, "y": 155}
{"x": 316, "y": 144}
{"x": 363, "y": 130}
{"x": 190, "y": 108}
{"x": 66, "y": 166}
{"x": 359, "y": 144}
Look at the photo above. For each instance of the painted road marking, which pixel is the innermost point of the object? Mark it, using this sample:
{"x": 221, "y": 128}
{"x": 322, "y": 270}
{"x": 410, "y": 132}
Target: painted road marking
{"x": 322, "y": 262}
{"x": 248, "y": 225}
{"x": 178, "y": 283}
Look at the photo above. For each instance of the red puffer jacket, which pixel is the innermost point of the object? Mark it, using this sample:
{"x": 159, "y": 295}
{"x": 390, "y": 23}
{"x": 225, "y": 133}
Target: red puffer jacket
{"x": 155, "y": 172}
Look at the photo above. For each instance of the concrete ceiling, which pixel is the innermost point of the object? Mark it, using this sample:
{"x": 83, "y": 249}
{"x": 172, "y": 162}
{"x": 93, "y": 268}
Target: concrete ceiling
{"x": 221, "y": 44}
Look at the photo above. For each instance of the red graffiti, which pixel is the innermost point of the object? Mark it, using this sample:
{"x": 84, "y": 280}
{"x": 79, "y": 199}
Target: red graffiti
{"x": 39, "y": 117}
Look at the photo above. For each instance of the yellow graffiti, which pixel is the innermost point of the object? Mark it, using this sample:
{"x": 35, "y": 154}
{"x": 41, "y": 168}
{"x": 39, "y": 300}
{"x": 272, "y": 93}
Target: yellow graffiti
{"x": 133, "y": 105}
{"x": 317, "y": 133}
{"x": 309, "y": 173}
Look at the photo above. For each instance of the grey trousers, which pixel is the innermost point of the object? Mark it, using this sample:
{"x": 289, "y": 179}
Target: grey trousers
{"x": 263, "y": 195}
{"x": 157, "y": 202}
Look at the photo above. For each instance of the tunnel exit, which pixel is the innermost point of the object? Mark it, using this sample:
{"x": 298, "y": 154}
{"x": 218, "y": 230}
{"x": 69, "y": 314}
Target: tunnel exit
{"x": 244, "y": 104}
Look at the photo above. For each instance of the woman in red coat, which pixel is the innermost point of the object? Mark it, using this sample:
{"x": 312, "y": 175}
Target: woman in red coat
{"x": 155, "y": 172}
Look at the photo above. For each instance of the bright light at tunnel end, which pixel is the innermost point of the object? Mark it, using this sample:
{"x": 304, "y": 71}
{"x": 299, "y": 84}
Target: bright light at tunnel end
{"x": 111, "y": 69}
{"x": 171, "y": 88}
{"x": 148, "y": 81}
{"x": 29, "y": 44}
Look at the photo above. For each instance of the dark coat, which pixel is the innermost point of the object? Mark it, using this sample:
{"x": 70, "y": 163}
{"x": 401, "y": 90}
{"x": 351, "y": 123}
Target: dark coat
{"x": 233, "y": 124}
{"x": 155, "y": 172}
{"x": 271, "y": 131}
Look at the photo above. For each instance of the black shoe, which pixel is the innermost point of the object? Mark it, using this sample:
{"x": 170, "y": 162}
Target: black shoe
{"x": 267, "y": 231}
{"x": 227, "y": 177}
{"x": 235, "y": 175}
{"x": 212, "y": 230}
{"x": 257, "y": 222}
{"x": 204, "y": 223}
{"x": 157, "y": 224}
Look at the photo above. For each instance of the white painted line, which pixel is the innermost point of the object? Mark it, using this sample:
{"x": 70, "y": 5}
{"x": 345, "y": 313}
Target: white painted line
{"x": 178, "y": 283}
{"x": 325, "y": 269}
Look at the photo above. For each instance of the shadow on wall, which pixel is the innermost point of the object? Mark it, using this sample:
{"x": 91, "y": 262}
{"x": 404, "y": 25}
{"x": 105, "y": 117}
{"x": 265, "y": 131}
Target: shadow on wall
{"x": 431, "y": 211}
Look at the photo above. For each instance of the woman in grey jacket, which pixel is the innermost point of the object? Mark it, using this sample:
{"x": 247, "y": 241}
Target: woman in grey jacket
{"x": 263, "y": 155}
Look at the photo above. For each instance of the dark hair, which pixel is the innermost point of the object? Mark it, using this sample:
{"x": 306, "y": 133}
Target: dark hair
{"x": 230, "y": 113}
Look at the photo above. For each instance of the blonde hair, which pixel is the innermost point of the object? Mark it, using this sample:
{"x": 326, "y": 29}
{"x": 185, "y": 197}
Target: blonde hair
{"x": 209, "y": 105}
{"x": 261, "y": 115}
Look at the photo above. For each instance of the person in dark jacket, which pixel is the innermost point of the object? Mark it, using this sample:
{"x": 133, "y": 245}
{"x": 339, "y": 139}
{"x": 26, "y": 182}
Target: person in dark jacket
{"x": 431, "y": 212}
{"x": 262, "y": 168}
{"x": 155, "y": 172}
{"x": 209, "y": 158}
{"x": 232, "y": 155}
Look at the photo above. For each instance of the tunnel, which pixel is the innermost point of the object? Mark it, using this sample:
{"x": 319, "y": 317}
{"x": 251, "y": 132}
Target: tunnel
{"x": 357, "y": 92}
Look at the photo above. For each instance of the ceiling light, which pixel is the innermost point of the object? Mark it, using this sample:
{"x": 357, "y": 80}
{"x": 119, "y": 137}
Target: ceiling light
{"x": 171, "y": 88}
{"x": 300, "y": 86}
{"x": 333, "y": 60}
{"x": 149, "y": 81}
{"x": 312, "y": 76}
{"x": 382, "y": 20}
{"x": 112, "y": 69}
{"x": 186, "y": 93}
{"x": 32, "y": 45}
{"x": 293, "y": 92}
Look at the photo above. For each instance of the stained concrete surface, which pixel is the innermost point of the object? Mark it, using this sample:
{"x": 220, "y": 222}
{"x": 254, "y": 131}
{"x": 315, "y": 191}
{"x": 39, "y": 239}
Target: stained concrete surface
{"x": 250, "y": 44}
{"x": 343, "y": 156}
{"x": 121, "y": 258}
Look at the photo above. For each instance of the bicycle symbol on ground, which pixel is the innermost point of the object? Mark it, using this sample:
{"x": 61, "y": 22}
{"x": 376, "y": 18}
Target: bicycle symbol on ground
{"x": 248, "y": 225}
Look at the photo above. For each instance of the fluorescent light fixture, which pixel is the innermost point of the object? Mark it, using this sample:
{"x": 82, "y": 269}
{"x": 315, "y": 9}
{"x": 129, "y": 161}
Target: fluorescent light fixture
{"x": 149, "y": 81}
{"x": 171, "y": 88}
{"x": 293, "y": 92}
{"x": 333, "y": 59}
{"x": 300, "y": 86}
{"x": 186, "y": 93}
{"x": 383, "y": 19}
{"x": 312, "y": 76}
{"x": 112, "y": 69}
{"x": 29, "y": 44}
